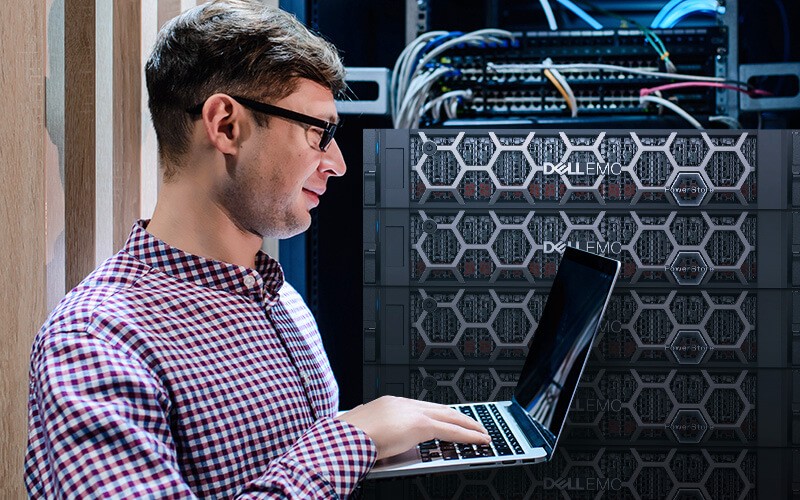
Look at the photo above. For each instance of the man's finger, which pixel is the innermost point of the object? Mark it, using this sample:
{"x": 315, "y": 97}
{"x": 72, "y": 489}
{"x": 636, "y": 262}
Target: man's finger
{"x": 449, "y": 432}
{"x": 455, "y": 417}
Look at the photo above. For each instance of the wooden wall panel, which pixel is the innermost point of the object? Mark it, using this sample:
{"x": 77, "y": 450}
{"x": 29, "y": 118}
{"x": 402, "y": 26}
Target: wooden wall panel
{"x": 127, "y": 117}
{"x": 149, "y": 173}
{"x": 22, "y": 223}
{"x": 167, "y": 9}
{"x": 79, "y": 144}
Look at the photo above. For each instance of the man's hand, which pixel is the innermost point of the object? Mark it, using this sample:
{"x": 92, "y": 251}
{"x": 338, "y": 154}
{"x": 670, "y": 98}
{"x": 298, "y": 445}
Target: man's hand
{"x": 397, "y": 424}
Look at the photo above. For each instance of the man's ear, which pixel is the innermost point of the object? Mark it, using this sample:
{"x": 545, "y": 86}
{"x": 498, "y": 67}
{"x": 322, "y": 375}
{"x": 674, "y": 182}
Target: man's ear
{"x": 224, "y": 123}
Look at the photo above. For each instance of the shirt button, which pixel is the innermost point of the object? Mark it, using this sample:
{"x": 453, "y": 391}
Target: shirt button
{"x": 249, "y": 280}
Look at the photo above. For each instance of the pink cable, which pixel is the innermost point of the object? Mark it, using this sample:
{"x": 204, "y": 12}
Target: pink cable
{"x": 680, "y": 85}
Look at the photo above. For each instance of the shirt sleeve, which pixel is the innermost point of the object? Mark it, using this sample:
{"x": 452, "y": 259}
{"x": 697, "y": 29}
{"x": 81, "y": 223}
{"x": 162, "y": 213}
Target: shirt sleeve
{"x": 99, "y": 427}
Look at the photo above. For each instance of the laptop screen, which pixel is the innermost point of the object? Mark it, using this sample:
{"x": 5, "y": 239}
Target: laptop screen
{"x": 561, "y": 344}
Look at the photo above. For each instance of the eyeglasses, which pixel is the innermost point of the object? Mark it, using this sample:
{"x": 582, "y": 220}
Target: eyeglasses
{"x": 327, "y": 129}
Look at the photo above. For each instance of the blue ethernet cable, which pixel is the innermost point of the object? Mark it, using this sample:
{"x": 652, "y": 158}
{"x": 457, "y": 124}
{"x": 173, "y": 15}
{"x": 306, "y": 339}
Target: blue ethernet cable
{"x": 581, "y": 13}
{"x": 689, "y": 8}
{"x": 666, "y": 9}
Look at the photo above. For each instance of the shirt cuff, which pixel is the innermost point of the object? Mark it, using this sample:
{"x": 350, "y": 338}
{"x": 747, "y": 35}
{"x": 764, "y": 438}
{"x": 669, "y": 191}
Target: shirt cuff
{"x": 338, "y": 451}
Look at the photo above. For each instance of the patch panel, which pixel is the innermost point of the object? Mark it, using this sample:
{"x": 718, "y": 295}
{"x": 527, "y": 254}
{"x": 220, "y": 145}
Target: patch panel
{"x": 503, "y": 85}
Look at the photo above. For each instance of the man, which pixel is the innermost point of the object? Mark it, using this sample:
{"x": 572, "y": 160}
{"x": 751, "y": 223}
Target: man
{"x": 185, "y": 365}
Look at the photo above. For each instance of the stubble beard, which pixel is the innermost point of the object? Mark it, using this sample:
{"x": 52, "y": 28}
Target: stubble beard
{"x": 267, "y": 217}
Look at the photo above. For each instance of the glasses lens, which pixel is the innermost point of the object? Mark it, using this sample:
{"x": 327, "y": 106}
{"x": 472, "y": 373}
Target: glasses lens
{"x": 325, "y": 140}
{"x": 318, "y": 138}
{"x": 327, "y": 137}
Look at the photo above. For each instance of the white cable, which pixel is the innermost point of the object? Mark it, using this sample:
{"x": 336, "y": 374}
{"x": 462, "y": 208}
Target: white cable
{"x": 563, "y": 81}
{"x": 411, "y": 64}
{"x": 415, "y": 97}
{"x": 419, "y": 87}
{"x": 400, "y": 71}
{"x": 548, "y": 13}
{"x": 412, "y": 84}
{"x": 567, "y": 68}
{"x": 674, "y": 107}
{"x": 407, "y": 96}
{"x": 472, "y": 36}
{"x": 573, "y": 103}
{"x": 435, "y": 103}
{"x": 405, "y": 64}
{"x": 451, "y": 110}
{"x": 729, "y": 121}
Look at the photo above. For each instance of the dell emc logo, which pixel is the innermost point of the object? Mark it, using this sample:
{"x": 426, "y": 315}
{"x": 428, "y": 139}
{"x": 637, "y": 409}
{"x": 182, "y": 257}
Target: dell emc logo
{"x": 586, "y": 168}
{"x": 582, "y": 483}
{"x": 550, "y": 247}
{"x": 596, "y": 247}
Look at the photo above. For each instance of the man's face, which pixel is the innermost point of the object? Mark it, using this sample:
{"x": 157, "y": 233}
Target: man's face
{"x": 278, "y": 176}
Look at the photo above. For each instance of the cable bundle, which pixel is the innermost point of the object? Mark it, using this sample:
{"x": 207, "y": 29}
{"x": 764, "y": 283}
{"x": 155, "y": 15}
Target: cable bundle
{"x": 419, "y": 67}
{"x": 675, "y": 10}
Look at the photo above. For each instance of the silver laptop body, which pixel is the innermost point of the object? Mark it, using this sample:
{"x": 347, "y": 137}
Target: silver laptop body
{"x": 535, "y": 416}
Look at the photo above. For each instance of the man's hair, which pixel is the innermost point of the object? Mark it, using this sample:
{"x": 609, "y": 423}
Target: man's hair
{"x": 237, "y": 47}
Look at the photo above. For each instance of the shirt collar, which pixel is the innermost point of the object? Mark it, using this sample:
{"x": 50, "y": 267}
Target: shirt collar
{"x": 261, "y": 284}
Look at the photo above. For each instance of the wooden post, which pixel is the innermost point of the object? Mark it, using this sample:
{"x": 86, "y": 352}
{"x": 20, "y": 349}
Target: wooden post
{"x": 22, "y": 222}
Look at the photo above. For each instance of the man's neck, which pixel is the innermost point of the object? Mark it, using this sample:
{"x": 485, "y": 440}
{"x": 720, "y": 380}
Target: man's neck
{"x": 185, "y": 218}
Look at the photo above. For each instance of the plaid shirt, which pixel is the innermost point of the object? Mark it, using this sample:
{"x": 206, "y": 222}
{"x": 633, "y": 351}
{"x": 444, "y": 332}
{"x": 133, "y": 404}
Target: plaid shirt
{"x": 164, "y": 374}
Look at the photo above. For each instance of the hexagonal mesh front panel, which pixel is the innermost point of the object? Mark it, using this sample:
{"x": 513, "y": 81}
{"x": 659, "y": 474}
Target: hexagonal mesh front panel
{"x": 617, "y": 406}
{"x": 666, "y": 327}
{"x": 686, "y": 249}
{"x": 460, "y": 385}
{"x": 580, "y": 472}
{"x": 568, "y": 167}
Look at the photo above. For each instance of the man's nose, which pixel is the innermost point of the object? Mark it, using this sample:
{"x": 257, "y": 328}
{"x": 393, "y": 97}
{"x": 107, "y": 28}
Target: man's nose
{"x": 333, "y": 161}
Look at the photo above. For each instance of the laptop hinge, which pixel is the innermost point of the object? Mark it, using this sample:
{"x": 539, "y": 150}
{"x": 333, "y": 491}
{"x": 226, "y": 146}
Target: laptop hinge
{"x": 537, "y": 435}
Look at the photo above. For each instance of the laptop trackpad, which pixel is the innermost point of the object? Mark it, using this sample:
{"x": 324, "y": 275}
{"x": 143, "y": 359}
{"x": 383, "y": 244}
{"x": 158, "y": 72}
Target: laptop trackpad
{"x": 406, "y": 458}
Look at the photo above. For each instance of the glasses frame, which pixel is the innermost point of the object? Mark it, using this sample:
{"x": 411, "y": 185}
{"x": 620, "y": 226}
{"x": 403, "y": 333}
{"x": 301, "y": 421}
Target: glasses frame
{"x": 328, "y": 128}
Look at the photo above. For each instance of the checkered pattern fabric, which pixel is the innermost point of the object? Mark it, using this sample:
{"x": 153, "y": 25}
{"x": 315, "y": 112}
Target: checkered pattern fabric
{"x": 167, "y": 375}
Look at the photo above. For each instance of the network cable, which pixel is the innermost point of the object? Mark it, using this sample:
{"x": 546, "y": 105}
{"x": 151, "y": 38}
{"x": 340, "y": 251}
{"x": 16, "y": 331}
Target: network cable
{"x": 399, "y": 79}
{"x": 579, "y": 67}
{"x": 551, "y": 20}
{"x": 726, "y": 120}
{"x": 449, "y": 100}
{"x": 671, "y": 86}
{"x": 560, "y": 83}
{"x": 664, "y": 11}
{"x": 420, "y": 66}
{"x": 548, "y": 13}
{"x": 674, "y": 107}
{"x": 581, "y": 13}
{"x": 675, "y": 10}
{"x": 650, "y": 36}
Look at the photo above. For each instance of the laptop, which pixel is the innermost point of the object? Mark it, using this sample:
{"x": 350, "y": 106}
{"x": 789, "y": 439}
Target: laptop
{"x": 526, "y": 429}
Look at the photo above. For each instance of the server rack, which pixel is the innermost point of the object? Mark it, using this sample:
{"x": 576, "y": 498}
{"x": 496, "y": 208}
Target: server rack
{"x": 699, "y": 352}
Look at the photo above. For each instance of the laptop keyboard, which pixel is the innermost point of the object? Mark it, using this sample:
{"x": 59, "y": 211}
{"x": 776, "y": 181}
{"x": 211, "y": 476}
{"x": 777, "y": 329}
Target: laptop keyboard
{"x": 503, "y": 441}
